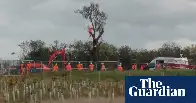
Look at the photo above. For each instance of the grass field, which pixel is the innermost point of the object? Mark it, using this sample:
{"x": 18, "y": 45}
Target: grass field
{"x": 73, "y": 87}
{"x": 113, "y": 75}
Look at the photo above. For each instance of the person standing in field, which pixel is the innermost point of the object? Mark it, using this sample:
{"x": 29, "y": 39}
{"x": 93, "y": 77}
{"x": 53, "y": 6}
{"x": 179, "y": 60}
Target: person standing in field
{"x": 120, "y": 68}
{"x": 68, "y": 67}
{"x": 28, "y": 66}
{"x": 102, "y": 67}
{"x": 91, "y": 66}
{"x": 79, "y": 66}
{"x": 55, "y": 68}
{"x": 142, "y": 67}
{"x": 134, "y": 67}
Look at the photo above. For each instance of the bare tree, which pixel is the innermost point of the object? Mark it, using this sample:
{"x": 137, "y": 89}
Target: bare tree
{"x": 31, "y": 46}
{"x": 58, "y": 45}
{"x": 97, "y": 19}
{"x": 25, "y": 48}
{"x": 55, "y": 46}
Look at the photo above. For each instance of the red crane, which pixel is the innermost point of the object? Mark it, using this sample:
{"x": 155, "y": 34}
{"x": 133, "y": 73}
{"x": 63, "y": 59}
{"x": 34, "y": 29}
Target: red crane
{"x": 55, "y": 54}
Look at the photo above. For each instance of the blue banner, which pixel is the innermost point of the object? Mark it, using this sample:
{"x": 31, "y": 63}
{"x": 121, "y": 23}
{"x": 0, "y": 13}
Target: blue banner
{"x": 160, "y": 89}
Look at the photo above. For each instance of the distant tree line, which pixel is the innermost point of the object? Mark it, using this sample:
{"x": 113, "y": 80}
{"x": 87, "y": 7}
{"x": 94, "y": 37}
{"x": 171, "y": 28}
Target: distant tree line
{"x": 81, "y": 51}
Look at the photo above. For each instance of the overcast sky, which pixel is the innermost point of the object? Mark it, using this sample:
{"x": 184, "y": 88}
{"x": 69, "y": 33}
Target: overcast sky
{"x": 138, "y": 23}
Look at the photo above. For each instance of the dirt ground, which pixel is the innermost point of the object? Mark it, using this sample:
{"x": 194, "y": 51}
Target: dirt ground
{"x": 85, "y": 100}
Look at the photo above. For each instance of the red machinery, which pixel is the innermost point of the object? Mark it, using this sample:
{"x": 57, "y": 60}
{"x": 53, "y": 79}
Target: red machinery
{"x": 55, "y": 54}
{"x": 51, "y": 59}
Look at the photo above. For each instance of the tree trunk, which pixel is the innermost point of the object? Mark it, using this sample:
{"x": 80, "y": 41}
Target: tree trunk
{"x": 94, "y": 52}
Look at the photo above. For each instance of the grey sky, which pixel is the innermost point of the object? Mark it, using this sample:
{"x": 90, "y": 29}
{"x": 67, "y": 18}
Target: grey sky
{"x": 138, "y": 23}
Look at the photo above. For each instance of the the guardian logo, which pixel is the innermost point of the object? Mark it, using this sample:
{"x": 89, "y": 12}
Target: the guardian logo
{"x": 154, "y": 88}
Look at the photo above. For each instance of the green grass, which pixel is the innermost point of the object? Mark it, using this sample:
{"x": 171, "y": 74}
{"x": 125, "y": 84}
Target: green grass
{"x": 109, "y": 75}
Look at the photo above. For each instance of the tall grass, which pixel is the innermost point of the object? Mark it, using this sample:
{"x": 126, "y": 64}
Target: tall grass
{"x": 33, "y": 88}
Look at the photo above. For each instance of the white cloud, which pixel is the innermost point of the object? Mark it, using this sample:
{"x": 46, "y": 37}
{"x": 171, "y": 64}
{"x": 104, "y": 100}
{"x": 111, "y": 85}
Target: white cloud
{"x": 4, "y": 19}
{"x": 184, "y": 42}
{"x": 157, "y": 44}
{"x": 138, "y": 23}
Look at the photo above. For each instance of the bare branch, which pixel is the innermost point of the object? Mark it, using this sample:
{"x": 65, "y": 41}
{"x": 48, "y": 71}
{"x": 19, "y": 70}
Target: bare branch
{"x": 95, "y": 16}
{"x": 100, "y": 34}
